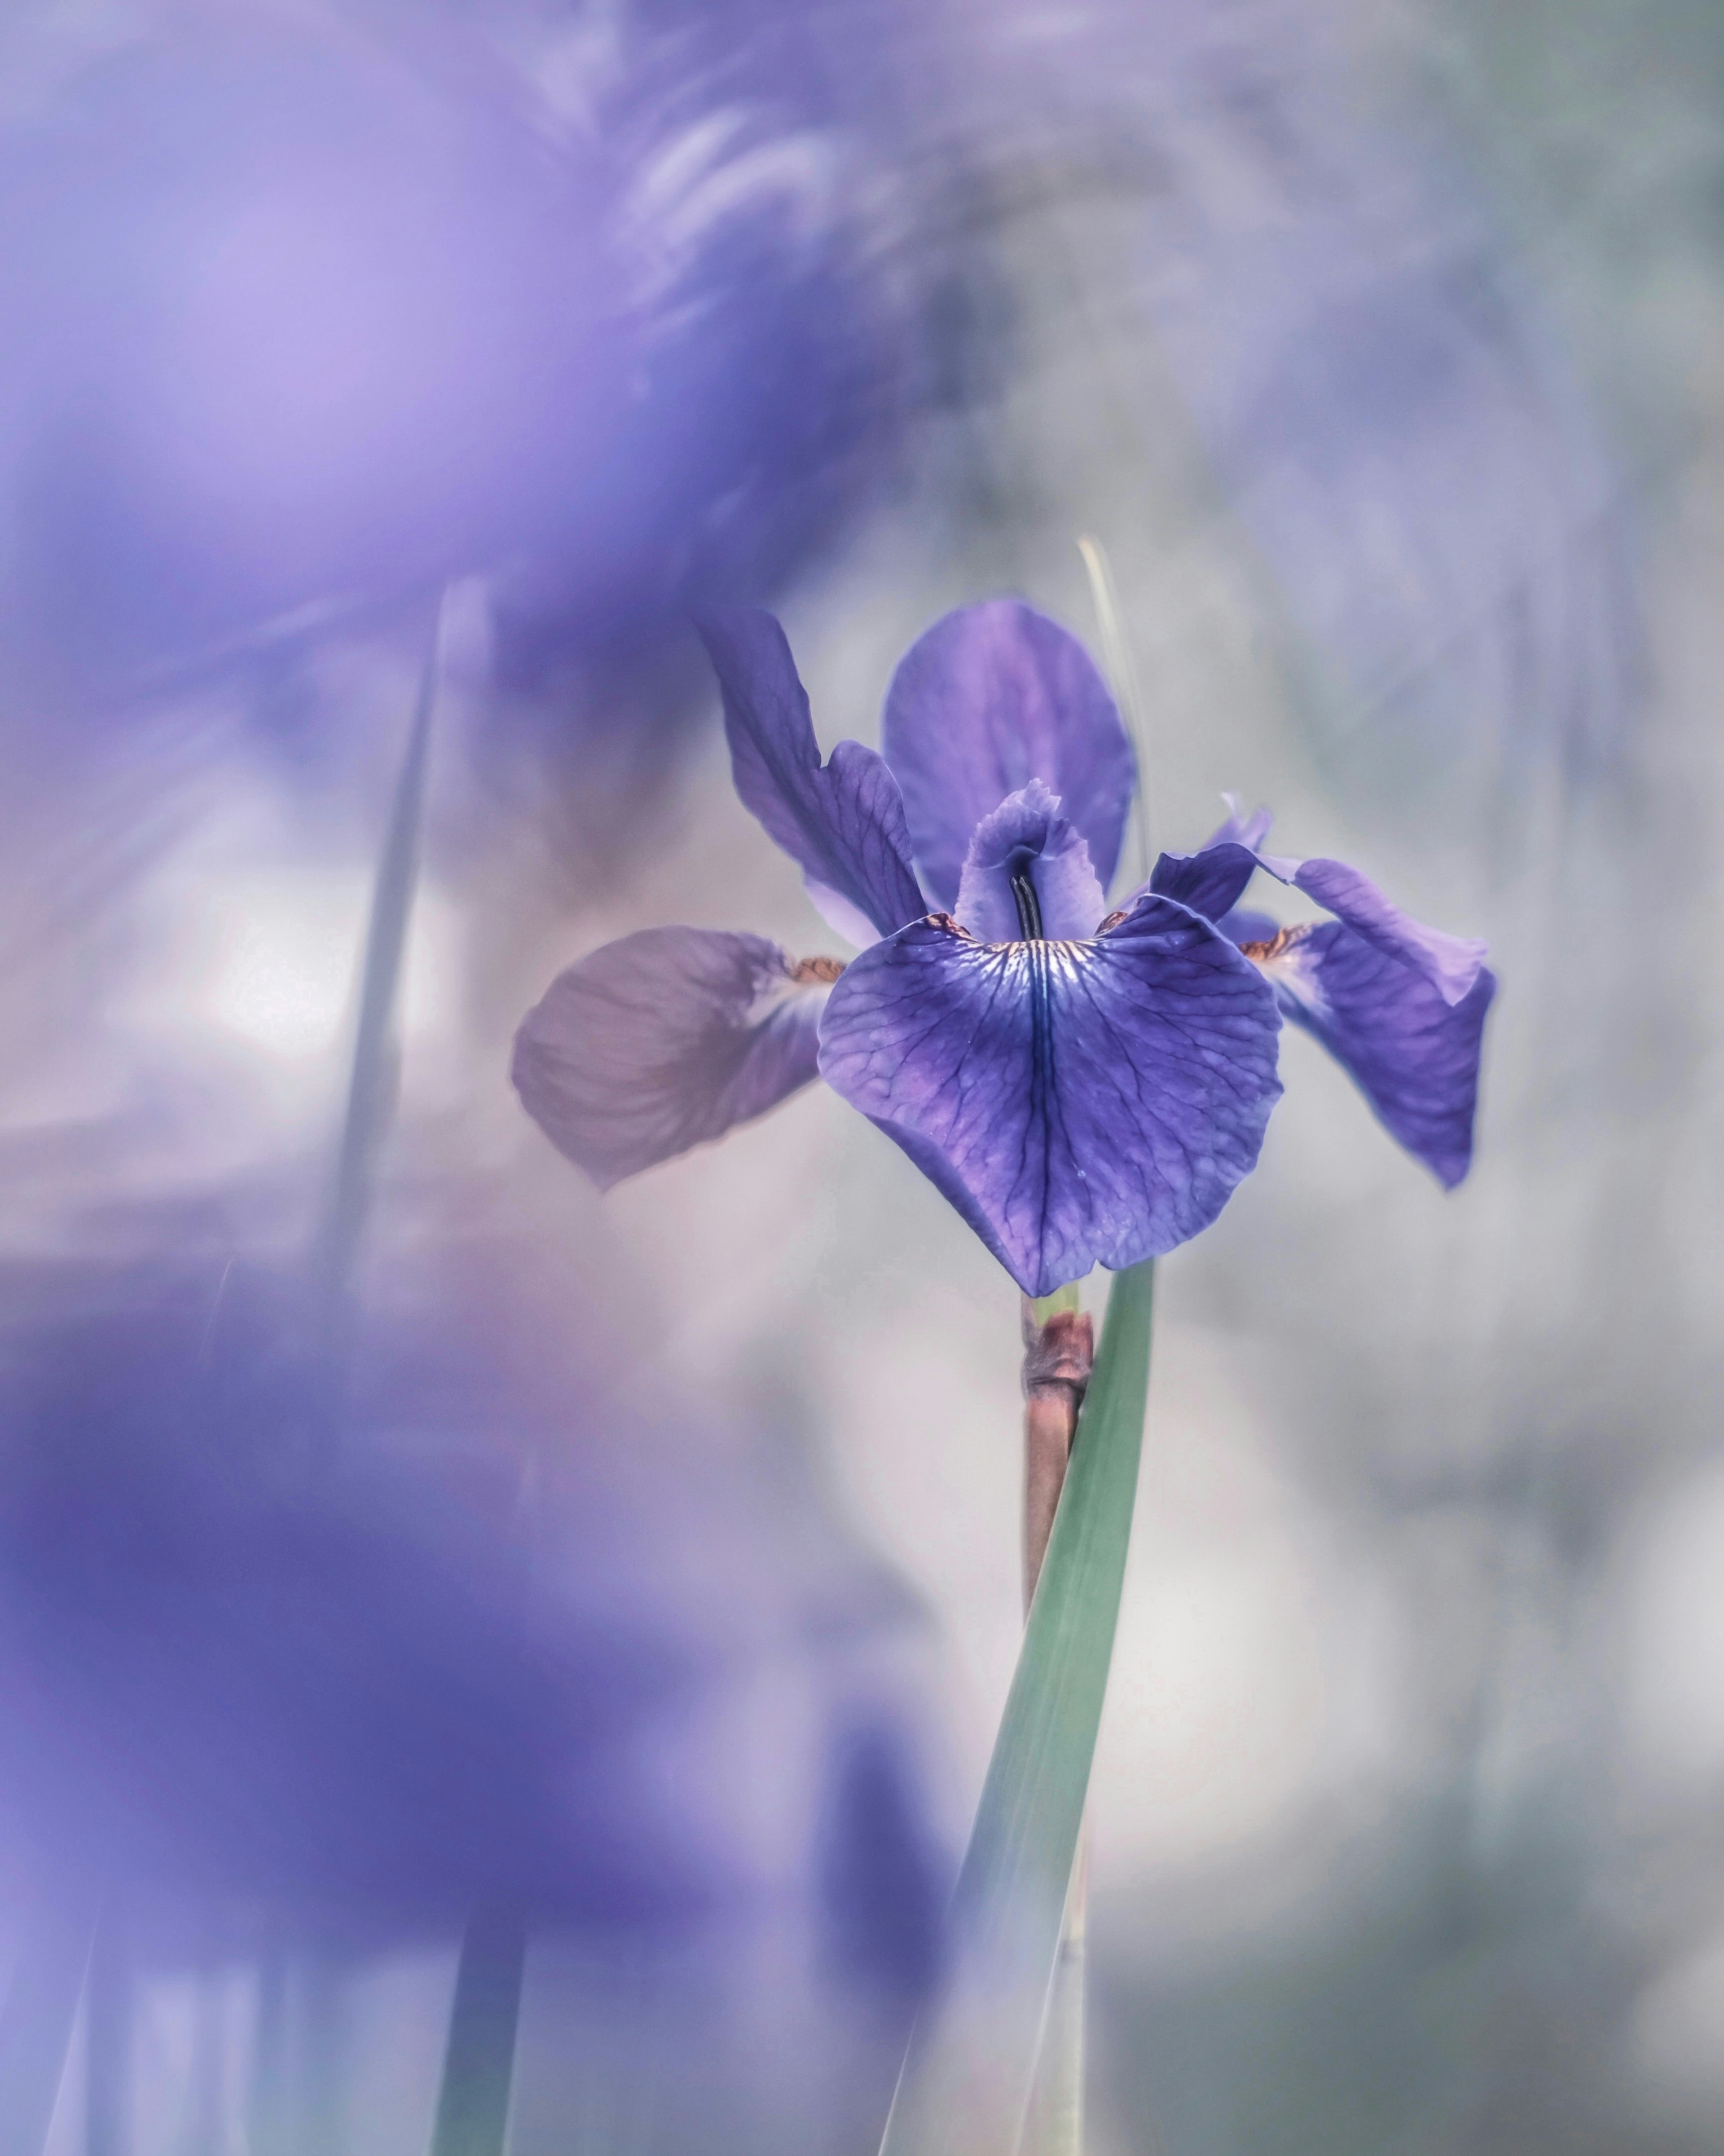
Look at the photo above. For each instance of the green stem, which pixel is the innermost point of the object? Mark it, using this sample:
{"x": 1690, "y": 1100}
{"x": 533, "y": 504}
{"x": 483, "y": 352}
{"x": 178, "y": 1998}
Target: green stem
{"x": 373, "y": 1078}
{"x": 478, "y": 2062}
{"x": 966, "y": 2080}
{"x": 1116, "y": 655}
{"x": 37, "y": 2018}
{"x": 1055, "y": 2123}
{"x": 1058, "y": 1346}
{"x": 108, "y": 2003}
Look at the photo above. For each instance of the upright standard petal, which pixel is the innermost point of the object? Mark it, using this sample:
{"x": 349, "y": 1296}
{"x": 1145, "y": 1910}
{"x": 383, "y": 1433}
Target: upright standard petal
{"x": 1414, "y": 1055}
{"x": 663, "y": 1040}
{"x": 843, "y": 820}
{"x": 1079, "y": 1102}
{"x": 991, "y": 697}
{"x": 1028, "y": 873}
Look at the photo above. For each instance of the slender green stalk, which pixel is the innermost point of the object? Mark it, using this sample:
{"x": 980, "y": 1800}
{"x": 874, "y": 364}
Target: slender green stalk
{"x": 36, "y": 2020}
{"x": 374, "y": 1075}
{"x": 1116, "y": 655}
{"x": 966, "y": 2084}
{"x": 1055, "y": 2123}
{"x": 268, "y": 2121}
{"x": 1057, "y": 1365}
{"x": 108, "y": 2030}
{"x": 479, "y": 2061}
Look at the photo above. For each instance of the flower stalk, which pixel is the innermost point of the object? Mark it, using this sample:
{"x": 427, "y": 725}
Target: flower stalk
{"x": 967, "y": 2084}
{"x": 38, "y": 2013}
{"x": 1059, "y": 1355}
{"x": 373, "y": 1075}
{"x": 479, "y": 2058}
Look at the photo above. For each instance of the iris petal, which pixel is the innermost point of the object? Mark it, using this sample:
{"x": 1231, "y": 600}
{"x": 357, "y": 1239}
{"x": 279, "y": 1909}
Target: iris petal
{"x": 663, "y": 1040}
{"x": 1451, "y": 964}
{"x": 1027, "y": 837}
{"x": 1079, "y": 1102}
{"x": 1413, "y": 1053}
{"x": 843, "y": 820}
{"x": 1212, "y": 881}
{"x": 991, "y": 697}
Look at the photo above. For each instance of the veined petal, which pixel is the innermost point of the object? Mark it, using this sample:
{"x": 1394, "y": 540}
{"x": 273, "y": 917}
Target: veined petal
{"x": 1414, "y": 1054}
{"x": 1452, "y": 964}
{"x": 1079, "y": 1102}
{"x": 1211, "y": 882}
{"x": 1027, "y": 843}
{"x": 663, "y": 1040}
{"x": 843, "y": 820}
{"x": 991, "y": 697}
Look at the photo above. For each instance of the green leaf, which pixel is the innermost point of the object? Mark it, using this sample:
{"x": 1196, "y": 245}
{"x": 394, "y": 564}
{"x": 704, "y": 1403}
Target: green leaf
{"x": 36, "y": 2019}
{"x": 1055, "y": 2123}
{"x": 371, "y": 1080}
{"x": 479, "y": 2061}
{"x": 966, "y": 2083}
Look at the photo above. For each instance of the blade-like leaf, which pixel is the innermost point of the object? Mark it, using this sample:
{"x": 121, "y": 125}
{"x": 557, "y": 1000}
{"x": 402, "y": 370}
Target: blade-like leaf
{"x": 1055, "y": 2123}
{"x": 478, "y": 2063}
{"x": 371, "y": 1085}
{"x": 36, "y": 2019}
{"x": 965, "y": 2087}
{"x": 372, "y": 1076}
{"x": 109, "y": 2006}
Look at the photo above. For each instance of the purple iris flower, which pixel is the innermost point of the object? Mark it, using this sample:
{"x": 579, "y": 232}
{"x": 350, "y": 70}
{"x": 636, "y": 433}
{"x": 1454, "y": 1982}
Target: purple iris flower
{"x": 1086, "y": 1084}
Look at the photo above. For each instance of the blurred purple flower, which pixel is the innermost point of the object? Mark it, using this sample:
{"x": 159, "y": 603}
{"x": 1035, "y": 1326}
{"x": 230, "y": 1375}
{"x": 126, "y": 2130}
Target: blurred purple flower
{"x": 508, "y": 1666}
{"x": 1085, "y": 1086}
{"x": 882, "y": 1879}
{"x": 314, "y": 316}
{"x": 369, "y": 1699}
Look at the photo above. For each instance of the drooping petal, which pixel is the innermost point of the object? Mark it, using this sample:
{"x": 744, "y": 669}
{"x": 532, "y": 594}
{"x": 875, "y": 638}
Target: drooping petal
{"x": 1213, "y": 881}
{"x": 1450, "y": 963}
{"x": 1414, "y": 1055}
{"x": 842, "y": 820}
{"x": 663, "y": 1040}
{"x": 1078, "y": 1103}
{"x": 1027, "y": 840}
{"x": 989, "y": 698}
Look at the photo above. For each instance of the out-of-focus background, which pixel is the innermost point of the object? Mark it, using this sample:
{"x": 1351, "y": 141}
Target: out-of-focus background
{"x": 655, "y": 1571}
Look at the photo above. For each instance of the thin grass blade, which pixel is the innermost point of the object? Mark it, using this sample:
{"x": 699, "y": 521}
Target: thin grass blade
{"x": 36, "y": 2020}
{"x": 1122, "y": 677}
{"x": 479, "y": 2061}
{"x": 966, "y": 2080}
{"x": 1055, "y": 2123}
{"x": 109, "y": 2016}
{"x": 371, "y": 1080}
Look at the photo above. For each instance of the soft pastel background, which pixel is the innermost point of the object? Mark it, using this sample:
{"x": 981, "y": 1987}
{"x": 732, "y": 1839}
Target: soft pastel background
{"x": 665, "y": 1582}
